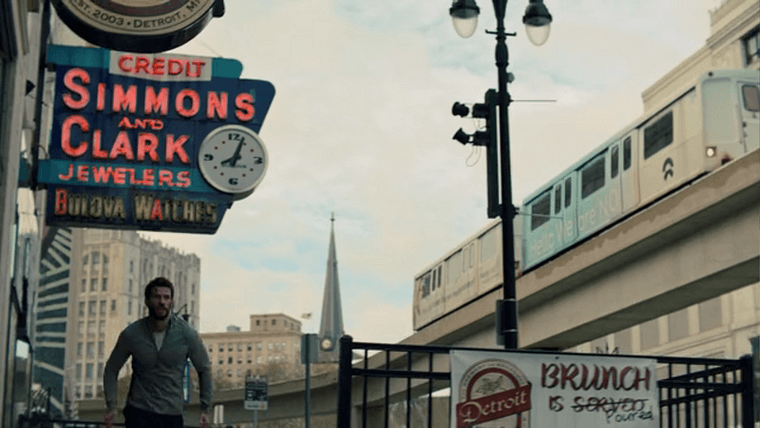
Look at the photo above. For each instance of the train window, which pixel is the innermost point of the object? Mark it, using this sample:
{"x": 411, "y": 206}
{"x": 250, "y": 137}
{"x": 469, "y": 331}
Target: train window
{"x": 472, "y": 252}
{"x": 557, "y": 199}
{"x": 614, "y": 161}
{"x": 592, "y": 177}
{"x": 426, "y": 285}
{"x": 751, "y": 97}
{"x": 568, "y": 192}
{"x": 434, "y": 281}
{"x": 540, "y": 211}
{"x": 438, "y": 283}
{"x": 627, "y": 153}
{"x": 658, "y": 135}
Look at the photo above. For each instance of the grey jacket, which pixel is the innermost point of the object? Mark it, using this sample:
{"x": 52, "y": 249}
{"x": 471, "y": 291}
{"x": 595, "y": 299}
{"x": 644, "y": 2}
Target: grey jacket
{"x": 156, "y": 383}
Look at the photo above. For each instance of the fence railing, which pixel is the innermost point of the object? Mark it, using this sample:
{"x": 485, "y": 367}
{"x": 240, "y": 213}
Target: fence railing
{"x": 693, "y": 392}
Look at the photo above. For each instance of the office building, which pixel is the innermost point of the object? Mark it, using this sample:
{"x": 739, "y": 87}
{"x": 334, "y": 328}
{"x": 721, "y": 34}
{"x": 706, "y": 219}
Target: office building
{"x": 271, "y": 346}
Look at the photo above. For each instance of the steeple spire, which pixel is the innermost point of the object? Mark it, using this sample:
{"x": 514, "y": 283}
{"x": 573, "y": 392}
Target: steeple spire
{"x": 331, "y": 325}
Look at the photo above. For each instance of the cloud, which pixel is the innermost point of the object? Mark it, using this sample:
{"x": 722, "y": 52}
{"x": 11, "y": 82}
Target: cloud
{"x": 361, "y": 125}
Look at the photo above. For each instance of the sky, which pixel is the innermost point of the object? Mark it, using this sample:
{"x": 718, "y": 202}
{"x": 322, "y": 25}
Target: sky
{"x": 361, "y": 126}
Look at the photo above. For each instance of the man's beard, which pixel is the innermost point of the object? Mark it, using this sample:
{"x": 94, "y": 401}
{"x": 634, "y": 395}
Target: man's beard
{"x": 153, "y": 314}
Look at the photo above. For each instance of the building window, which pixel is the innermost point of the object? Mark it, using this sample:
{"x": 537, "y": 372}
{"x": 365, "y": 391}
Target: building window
{"x": 91, "y": 308}
{"x": 102, "y": 307}
{"x": 90, "y": 349}
{"x": 84, "y": 260}
{"x": 105, "y": 284}
{"x": 79, "y": 349}
{"x": 94, "y": 284}
{"x": 80, "y": 328}
{"x": 81, "y": 309}
{"x": 240, "y": 346}
{"x": 130, "y": 286}
{"x": 129, "y": 308}
{"x": 258, "y": 359}
{"x": 79, "y": 371}
{"x": 240, "y": 360}
{"x": 113, "y": 305}
{"x": 229, "y": 373}
{"x": 131, "y": 266}
{"x": 101, "y": 348}
{"x": 229, "y": 360}
{"x": 250, "y": 346}
{"x": 221, "y": 347}
{"x": 230, "y": 346}
{"x": 91, "y": 328}
{"x": 258, "y": 322}
{"x": 258, "y": 346}
{"x": 249, "y": 360}
{"x": 84, "y": 285}
{"x": 192, "y": 289}
{"x": 95, "y": 258}
{"x": 221, "y": 361}
{"x": 102, "y": 328}
{"x": 274, "y": 322}
{"x": 751, "y": 44}
{"x": 269, "y": 346}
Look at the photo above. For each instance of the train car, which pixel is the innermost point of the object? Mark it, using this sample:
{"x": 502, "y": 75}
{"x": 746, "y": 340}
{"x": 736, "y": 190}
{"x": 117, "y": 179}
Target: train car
{"x": 465, "y": 273}
{"x": 706, "y": 126}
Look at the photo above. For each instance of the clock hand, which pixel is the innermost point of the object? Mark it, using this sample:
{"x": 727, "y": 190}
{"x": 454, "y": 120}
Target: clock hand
{"x": 235, "y": 157}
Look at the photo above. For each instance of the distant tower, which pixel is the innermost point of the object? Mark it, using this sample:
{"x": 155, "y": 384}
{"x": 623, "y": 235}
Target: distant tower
{"x": 331, "y": 325}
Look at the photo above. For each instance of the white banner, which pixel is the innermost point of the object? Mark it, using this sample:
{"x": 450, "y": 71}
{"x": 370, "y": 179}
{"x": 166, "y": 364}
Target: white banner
{"x": 506, "y": 390}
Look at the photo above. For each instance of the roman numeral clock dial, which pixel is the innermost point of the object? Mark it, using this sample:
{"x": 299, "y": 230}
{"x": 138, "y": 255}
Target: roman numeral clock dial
{"x": 233, "y": 159}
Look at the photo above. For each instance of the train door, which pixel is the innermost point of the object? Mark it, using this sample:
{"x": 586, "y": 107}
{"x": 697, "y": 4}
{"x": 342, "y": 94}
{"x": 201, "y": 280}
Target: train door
{"x": 629, "y": 183}
{"x": 750, "y": 111}
{"x": 567, "y": 211}
{"x": 614, "y": 199}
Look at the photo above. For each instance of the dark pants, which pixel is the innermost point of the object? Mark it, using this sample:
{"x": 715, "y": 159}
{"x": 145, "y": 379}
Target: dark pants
{"x": 138, "y": 418}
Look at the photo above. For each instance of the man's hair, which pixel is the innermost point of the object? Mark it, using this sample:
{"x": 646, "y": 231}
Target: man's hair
{"x": 158, "y": 282}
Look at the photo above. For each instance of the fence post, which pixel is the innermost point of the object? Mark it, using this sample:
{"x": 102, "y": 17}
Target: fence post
{"x": 344, "y": 381}
{"x": 748, "y": 396}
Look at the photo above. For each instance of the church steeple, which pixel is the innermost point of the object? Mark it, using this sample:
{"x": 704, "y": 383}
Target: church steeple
{"x": 331, "y": 325}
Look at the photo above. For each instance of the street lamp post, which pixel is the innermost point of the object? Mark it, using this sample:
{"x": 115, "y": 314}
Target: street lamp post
{"x": 537, "y": 20}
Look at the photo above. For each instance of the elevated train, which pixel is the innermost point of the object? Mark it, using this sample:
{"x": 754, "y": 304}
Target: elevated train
{"x": 706, "y": 126}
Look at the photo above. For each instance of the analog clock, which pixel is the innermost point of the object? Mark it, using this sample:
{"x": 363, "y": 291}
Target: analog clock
{"x": 233, "y": 159}
{"x": 326, "y": 343}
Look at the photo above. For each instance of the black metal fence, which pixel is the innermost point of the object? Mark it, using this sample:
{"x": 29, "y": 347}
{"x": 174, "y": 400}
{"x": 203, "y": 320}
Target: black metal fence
{"x": 693, "y": 392}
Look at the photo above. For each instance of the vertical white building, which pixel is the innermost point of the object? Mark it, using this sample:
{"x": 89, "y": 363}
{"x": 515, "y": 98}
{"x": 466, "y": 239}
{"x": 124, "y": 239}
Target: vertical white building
{"x": 109, "y": 271}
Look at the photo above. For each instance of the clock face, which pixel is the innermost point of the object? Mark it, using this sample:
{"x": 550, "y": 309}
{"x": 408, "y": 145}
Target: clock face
{"x": 233, "y": 159}
{"x": 326, "y": 343}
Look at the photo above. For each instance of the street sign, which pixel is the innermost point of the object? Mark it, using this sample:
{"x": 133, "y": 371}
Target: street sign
{"x": 256, "y": 393}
